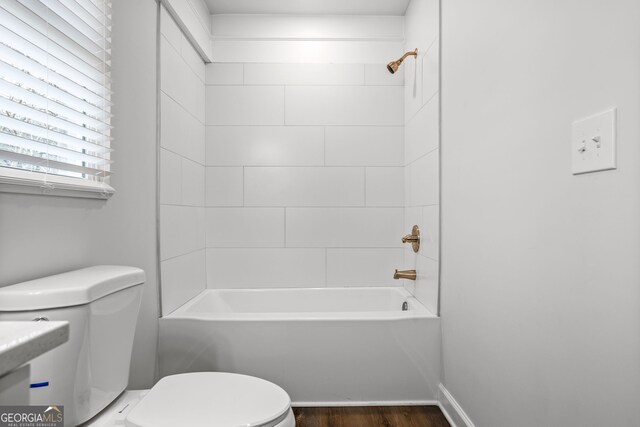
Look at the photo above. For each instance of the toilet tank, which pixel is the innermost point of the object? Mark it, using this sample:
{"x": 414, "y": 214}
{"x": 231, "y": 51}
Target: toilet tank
{"x": 89, "y": 371}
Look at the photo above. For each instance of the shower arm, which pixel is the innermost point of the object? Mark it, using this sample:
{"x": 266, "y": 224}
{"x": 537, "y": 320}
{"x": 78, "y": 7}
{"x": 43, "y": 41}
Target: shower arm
{"x": 410, "y": 53}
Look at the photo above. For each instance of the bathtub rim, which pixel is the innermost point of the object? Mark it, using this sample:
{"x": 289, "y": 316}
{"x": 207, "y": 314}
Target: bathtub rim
{"x": 420, "y": 311}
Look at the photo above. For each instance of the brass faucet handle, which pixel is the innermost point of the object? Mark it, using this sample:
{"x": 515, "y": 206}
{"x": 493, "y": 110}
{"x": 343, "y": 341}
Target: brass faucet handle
{"x": 413, "y": 238}
{"x": 410, "y": 238}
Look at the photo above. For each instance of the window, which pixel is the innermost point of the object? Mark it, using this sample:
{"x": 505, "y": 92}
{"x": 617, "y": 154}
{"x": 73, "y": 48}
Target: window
{"x": 55, "y": 108}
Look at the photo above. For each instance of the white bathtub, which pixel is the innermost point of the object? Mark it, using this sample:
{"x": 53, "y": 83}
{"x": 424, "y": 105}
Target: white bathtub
{"x": 328, "y": 346}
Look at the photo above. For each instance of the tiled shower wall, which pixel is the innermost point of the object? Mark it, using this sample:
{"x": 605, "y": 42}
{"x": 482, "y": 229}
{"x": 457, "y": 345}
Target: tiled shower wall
{"x": 182, "y": 170}
{"x": 422, "y": 147}
{"x": 304, "y": 175}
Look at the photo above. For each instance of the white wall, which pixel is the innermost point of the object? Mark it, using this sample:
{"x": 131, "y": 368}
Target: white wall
{"x": 540, "y": 273}
{"x": 304, "y": 175}
{"x": 182, "y": 171}
{"x": 48, "y": 235}
{"x": 421, "y": 151}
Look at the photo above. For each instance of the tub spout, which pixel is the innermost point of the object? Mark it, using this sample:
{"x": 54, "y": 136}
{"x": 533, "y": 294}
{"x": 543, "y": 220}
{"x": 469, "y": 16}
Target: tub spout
{"x": 405, "y": 274}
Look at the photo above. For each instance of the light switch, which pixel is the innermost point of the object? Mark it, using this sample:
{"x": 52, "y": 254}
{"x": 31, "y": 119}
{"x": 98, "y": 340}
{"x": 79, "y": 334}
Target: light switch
{"x": 593, "y": 143}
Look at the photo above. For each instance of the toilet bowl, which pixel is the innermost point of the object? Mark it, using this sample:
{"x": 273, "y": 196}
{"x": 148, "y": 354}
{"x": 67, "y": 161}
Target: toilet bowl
{"x": 88, "y": 374}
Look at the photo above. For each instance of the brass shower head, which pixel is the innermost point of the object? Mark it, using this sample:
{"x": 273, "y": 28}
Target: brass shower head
{"x": 393, "y": 65}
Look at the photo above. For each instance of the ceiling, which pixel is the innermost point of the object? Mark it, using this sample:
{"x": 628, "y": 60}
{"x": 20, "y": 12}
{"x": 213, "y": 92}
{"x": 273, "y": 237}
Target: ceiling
{"x": 310, "y": 7}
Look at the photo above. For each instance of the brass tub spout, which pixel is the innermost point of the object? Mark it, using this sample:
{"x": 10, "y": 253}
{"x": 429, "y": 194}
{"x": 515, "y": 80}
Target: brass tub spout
{"x": 405, "y": 274}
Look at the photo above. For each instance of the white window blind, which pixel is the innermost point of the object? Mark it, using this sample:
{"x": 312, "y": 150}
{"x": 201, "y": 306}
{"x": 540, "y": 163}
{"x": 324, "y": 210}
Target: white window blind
{"x": 55, "y": 108}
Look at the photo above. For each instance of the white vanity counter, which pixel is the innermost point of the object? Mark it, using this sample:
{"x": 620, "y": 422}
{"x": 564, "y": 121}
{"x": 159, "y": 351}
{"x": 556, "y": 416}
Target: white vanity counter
{"x": 21, "y": 342}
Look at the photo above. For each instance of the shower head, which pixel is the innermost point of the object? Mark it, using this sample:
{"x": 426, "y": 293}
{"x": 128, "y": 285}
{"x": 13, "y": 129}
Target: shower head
{"x": 394, "y": 65}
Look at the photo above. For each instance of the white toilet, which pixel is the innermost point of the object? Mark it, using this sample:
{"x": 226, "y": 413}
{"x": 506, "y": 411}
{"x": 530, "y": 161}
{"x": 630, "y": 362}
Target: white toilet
{"x": 91, "y": 370}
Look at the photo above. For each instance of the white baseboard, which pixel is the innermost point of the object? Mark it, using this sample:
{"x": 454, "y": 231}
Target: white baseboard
{"x": 452, "y": 410}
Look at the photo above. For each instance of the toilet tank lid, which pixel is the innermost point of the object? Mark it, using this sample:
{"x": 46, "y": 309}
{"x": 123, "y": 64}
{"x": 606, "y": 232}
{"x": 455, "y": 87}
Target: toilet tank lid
{"x": 67, "y": 289}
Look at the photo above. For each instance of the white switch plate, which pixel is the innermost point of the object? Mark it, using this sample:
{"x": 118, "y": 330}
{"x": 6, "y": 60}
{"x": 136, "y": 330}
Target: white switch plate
{"x": 593, "y": 143}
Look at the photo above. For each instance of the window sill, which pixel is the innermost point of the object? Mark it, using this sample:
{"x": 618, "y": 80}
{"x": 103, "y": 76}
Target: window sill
{"x": 26, "y": 182}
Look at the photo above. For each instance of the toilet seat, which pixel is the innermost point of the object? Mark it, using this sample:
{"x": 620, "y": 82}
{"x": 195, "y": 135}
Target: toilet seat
{"x": 212, "y": 399}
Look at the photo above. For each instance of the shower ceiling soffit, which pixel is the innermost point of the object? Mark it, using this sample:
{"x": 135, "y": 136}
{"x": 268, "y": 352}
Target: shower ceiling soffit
{"x": 309, "y": 7}
{"x": 308, "y": 27}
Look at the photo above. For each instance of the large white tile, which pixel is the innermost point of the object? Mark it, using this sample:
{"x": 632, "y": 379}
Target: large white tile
{"x": 303, "y": 74}
{"x": 385, "y": 186}
{"x": 180, "y": 82}
{"x": 182, "y": 279}
{"x": 269, "y": 268}
{"x": 171, "y": 231}
{"x": 344, "y": 105}
{"x": 170, "y": 29}
{"x": 412, "y": 86}
{"x": 344, "y": 227}
{"x": 363, "y": 267}
{"x": 422, "y": 181}
{"x": 193, "y": 183}
{"x": 245, "y": 227}
{"x": 192, "y": 58}
{"x": 202, "y": 227}
{"x": 194, "y": 96}
{"x": 181, "y": 132}
{"x": 421, "y": 24}
{"x": 201, "y": 100}
{"x": 306, "y": 51}
{"x": 377, "y": 74}
{"x": 181, "y": 230}
{"x": 303, "y": 186}
{"x": 245, "y": 105}
{"x": 412, "y": 216}
{"x": 171, "y": 64}
{"x": 422, "y": 131}
{"x": 170, "y": 178}
{"x": 431, "y": 72}
{"x": 265, "y": 145}
{"x": 430, "y": 232}
{"x": 224, "y": 186}
{"x": 224, "y": 74}
{"x": 426, "y": 284}
{"x": 410, "y": 286}
{"x": 364, "y": 145}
